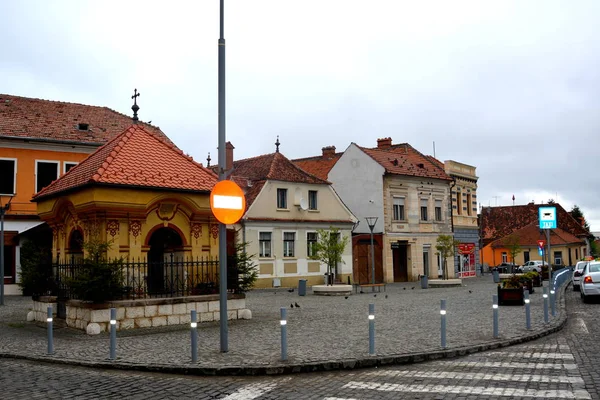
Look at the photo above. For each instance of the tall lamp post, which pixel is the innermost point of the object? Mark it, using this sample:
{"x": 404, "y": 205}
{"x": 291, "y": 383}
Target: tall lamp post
{"x": 3, "y": 210}
{"x": 371, "y": 221}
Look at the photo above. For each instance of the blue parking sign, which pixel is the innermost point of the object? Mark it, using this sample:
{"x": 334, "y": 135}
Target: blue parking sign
{"x": 547, "y": 217}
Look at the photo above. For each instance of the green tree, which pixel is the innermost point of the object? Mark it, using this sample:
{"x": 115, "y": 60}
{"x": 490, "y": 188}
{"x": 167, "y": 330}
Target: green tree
{"x": 446, "y": 245}
{"x": 242, "y": 268}
{"x": 513, "y": 245}
{"x": 329, "y": 247}
{"x": 36, "y": 269}
{"x": 577, "y": 214}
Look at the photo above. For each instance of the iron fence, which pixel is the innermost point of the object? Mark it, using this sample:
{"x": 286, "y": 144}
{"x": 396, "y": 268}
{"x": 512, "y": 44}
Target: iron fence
{"x": 175, "y": 277}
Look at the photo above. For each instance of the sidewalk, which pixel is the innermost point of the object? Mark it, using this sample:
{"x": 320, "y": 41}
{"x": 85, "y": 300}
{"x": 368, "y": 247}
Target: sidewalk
{"x": 324, "y": 333}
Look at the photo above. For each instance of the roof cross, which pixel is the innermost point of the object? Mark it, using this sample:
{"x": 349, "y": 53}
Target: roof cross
{"x": 135, "y": 107}
{"x": 277, "y": 145}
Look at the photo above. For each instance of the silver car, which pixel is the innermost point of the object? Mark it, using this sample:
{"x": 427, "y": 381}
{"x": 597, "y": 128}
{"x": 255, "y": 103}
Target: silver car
{"x": 577, "y": 272}
{"x": 590, "y": 281}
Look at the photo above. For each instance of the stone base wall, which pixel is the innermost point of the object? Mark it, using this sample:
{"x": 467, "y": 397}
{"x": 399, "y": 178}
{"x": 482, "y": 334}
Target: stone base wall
{"x": 132, "y": 314}
{"x": 40, "y": 308}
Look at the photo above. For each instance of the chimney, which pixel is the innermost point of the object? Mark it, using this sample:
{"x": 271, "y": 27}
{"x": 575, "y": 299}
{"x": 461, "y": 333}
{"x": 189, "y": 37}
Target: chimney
{"x": 328, "y": 151}
{"x": 384, "y": 143}
{"x": 228, "y": 156}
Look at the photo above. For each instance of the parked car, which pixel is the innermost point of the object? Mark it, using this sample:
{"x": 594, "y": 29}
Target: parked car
{"x": 506, "y": 268}
{"x": 532, "y": 265}
{"x": 590, "y": 281}
{"x": 577, "y": 272}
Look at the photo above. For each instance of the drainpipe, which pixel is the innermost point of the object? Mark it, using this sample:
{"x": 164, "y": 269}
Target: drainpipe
{"x": 452, "y": 184}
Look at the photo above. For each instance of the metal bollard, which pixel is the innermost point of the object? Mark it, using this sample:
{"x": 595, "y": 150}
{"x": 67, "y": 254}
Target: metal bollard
{"x": 113, "y": 333}
{"x": 50, "y": 333}
{"x": 545, "y": 296}
{"x": 553, "y": 301}
{"x": 443, "y": 327}
{"x": 194, "y": 335}
{"x": 495, "y": 311}
{"x": 527, "y": 310}
{"x": 283, "y": 323}
{"x": 372, "y": 329}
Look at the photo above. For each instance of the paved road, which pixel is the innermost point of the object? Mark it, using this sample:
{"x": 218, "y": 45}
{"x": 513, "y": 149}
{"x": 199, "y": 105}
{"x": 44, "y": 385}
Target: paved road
{"x": 563, "y": 365}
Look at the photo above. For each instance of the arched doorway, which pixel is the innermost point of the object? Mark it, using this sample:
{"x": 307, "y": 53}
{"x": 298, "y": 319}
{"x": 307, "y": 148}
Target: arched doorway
{"x": 164, "y": 244}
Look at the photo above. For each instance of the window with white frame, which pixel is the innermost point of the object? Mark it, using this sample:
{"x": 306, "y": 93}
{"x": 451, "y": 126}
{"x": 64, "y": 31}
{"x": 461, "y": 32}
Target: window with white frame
{"x": 264, "y": 244}
{"x": 311, "y": 242}
{"x": 45, "y": 173}
{"x": 312, "y": 199}
{"x": 67, "y": 165}
{"x": 504, "y": 257}
{"x": 558, "y": 260}
{"x": 423, "y": 209}
{"x": 438, "y": 210}
{"x": 398, "y": 209}
{"x": 8, "y": 172}
{"x": 281, "y": 198}
{"x": 289, "y": 238}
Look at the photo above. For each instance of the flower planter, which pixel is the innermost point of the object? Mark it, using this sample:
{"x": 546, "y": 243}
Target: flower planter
{"x": 537, "y": 281}
{"x": 528, "y": 283}
{"x": 510, "y": 296}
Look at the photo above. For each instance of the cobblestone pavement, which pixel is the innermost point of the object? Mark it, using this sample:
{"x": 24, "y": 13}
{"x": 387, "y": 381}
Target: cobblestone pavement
{"x": 324, "y": 333}
{"x": 562, "y": 365}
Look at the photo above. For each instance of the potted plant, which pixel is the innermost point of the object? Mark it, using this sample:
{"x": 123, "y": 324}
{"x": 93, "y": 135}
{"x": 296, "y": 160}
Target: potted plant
{"x": 510, "y": 292}
{"x": 527, "y": 281}
{"x": 535, "y": 278}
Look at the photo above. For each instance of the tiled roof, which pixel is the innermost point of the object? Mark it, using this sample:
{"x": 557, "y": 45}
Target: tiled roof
{"x": 403, "y": 159}
{"x": 320, "y": 165}
{"x": 324, "y": 221}
{"x": 23, "y": 117}
{"x": 436, "y": 162}
{"x": 135, "y": 158}
{"x": 498, "y": 222}
{"x": 530, "y": 234}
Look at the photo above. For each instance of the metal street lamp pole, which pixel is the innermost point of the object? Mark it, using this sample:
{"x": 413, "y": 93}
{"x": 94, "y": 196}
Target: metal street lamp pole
{"x": 371, "y": 221}
{"x": 222, "y": 175}
{"x": 3, "y": 210}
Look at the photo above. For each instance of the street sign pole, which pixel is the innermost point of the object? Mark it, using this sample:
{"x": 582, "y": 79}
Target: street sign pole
{"x": 549, "y": 258}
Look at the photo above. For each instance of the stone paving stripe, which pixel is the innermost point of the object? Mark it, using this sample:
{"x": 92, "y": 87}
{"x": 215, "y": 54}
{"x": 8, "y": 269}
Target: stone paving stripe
{"x": 469, "y": 390}
{"x": 580, "y": 325}
{"x": 251, "y": 391}
{"x": 338, "y": 398}
{"x": 547, "y": 356}
{"x": 561, "y": 347}
{"x": 479, "y": 376}
{"x": 499, "y": 364}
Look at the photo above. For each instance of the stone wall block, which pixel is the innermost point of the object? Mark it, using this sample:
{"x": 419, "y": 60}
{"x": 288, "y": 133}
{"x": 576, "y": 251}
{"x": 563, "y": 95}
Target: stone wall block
{"x": 185, "y": 319}
{"x": 121, "y": 313}
{"x": 213, "y": 306}
{"x": 180, "y": 309}
{"x": 203, "y": 307}
{"x": 236, "y": 304}
{"x": 173, "y": 320}
{"x": 72, "y": 312}
{"x": 127, "y": 323}
{"x": 142, "y": 322}
{"x": 207, "y": 317}
{"x": 231, "y": 314}
{"x": 216, "y": 316}
{"x": 100, "y": 315}
{"x": 134, "y": 312}
{"x": 165, "y": 309}
{"x": 159, "y": 321}
{"x": 150, "y": 311}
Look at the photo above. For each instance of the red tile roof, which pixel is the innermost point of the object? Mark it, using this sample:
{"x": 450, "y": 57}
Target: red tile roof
{"x": 135, "y": 158}
{"x": 23, "y": 117}
{"x": 530, "y": 234}
{"x": 498, "y": 222}
{"x": 320, "y": 165}
{"x": 403, "y": 159}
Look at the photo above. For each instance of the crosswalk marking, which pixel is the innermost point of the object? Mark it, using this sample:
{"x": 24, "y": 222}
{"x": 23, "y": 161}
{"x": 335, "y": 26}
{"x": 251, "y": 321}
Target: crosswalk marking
{"x": 468, "y": 390}
{"x": 580, "y": 326}
{"x": 547, "y": 347}
{"x": 488, "y": 376}
{"x": 499, "y": 364}
{"x": 252, "y": 391}
{"x": 551, "y": 356}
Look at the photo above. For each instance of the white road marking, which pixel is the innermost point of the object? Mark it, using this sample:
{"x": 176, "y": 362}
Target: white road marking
{"x": 546, "y": 347}
{"x": 251, "y": 391}
{"x": 498, "y": 364}
{"x": 553, "y": 356}
{"x": 469, "y": 390}
{"x": 478, "y": 376}
{"x": 581, "y": 326}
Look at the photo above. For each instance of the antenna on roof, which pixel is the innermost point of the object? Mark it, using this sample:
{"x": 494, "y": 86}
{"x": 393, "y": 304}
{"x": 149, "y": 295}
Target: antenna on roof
{"x": 208, "y": 160}
{"x": 277, "y": 145}
{"x": 135, "y": 107}
{"x": 434, "y": 149}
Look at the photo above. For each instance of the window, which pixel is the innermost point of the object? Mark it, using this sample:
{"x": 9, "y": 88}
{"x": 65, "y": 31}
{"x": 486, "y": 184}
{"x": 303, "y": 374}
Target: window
{"x": 558, "y": 258}
{"x": 423, "y": 209}
{"x": 312, "y": 199}
{"x": 459, "y": 203}
{"x": 288, "y": 244}
{"x": 504, "y": 257}
{"x": 469, "y": 206}
{"x": 398, "y": 210}
{"x": 311, "y": 242}
{"x": 526, "y": 256}
{"x": 264, "y": 243}
{"x": 425, "y": 261}
{"x": 45, "y": 173}
{"x": 281, "y": 198}
{"x": 67, "y": 165}
{"x": 438, "y": 210}
{"x": 8, "y": 172}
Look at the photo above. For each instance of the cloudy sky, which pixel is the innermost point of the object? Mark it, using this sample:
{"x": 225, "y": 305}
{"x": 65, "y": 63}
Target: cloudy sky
{"x": 511, "y": 87}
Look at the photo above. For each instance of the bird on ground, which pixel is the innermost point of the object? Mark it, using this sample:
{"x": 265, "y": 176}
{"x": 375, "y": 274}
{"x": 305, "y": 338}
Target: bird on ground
{"x": 291, "y": 306}
{"x": 297, "y": 305}
{"x": 346, "y": 297}
{"x": 413, "y": 288}
{"x": 291, "y": 290}
{"x": 386, "y": 296}
{"x": 374, "y": 295}
{"x": 470, "y": 291}
{"x": 403, "y": 288}
{"x": 361, "y": 292}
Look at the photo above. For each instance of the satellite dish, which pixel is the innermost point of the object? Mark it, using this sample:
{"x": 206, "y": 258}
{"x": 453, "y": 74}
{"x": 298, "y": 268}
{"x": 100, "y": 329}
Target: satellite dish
{"x": 303, "y": 204}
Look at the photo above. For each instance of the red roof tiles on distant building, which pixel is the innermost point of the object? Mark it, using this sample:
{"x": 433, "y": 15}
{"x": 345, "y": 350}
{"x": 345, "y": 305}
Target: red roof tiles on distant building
{"x": 135, "y": 158}
{"x": 530, "y": 234}
{"x": 320, "y": 165}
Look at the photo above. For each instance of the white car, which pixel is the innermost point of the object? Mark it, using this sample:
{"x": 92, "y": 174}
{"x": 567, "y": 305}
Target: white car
{"x": 533, "y": 265}
{"x": 577, "y": 272}
{"x": 590, "y": 281}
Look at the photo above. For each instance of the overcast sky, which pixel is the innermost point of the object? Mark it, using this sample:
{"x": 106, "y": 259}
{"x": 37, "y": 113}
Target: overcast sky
{"x": 511, "y": 87}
